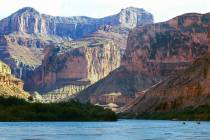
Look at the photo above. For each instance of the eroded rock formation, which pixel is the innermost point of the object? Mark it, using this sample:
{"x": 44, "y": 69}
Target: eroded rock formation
{"x": 69, "y": 69}
{"x": 9, "y": 85}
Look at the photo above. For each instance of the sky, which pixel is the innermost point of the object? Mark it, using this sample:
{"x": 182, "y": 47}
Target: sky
{"x": 161, "y": 9}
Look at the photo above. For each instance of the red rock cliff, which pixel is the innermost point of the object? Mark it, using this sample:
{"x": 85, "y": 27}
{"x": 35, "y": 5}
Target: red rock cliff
{"x": 153, "y": 53}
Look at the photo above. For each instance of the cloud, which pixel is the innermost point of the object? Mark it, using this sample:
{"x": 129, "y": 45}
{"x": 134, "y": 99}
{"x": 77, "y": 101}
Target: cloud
{"x": 162, "y": 9}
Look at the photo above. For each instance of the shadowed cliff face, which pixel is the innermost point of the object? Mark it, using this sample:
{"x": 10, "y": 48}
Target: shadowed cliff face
{"x": 155, "y": 52}
{"x": 9, "y": 85}
{"x": 188, "y": 88}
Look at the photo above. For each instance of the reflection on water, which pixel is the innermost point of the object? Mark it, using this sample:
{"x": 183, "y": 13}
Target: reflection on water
{"x": 120, "y": 130}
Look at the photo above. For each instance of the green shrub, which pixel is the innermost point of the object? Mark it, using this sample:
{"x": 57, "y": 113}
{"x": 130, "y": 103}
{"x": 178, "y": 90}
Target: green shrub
{"x": 12, "y": 109}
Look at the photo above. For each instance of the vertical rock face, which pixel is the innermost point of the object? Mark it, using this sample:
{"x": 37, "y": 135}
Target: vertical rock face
{"x": 70, "y": 69}
{"x": 9, "y": 85}
{"x": 153, "y": 53}
{"x": 102, "y": 60}
{"x": 131, "y": 17}
{"x": 25, "y": 20}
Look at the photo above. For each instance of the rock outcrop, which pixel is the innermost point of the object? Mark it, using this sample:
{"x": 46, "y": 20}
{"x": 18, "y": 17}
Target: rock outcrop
{"x": 153, "y": 53}
{"x": 9, "y": 85}
{"x": 24, "y": 52}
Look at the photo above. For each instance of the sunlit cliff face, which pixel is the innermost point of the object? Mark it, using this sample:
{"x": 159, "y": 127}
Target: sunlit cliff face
{"x": 9, "y": 85}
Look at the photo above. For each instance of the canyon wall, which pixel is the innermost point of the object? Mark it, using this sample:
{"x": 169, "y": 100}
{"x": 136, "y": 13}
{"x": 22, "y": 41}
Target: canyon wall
{"x": 187, "y": 89}
{"x": 23, "y": 53}
{"x": 25, "y": 34}
{"x": 70, "y": 69}
{"x": 153, "y": 53}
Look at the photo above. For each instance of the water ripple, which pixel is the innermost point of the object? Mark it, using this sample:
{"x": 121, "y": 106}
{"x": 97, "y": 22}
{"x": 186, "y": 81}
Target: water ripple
{"x": 120, "y": 130}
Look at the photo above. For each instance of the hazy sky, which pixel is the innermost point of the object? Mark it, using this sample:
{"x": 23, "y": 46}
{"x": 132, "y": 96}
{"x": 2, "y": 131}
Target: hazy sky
{"x": 161, "y": 9}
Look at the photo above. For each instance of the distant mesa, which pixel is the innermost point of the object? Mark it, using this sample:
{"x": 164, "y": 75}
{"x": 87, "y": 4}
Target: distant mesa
{"x": 28, "y": 20}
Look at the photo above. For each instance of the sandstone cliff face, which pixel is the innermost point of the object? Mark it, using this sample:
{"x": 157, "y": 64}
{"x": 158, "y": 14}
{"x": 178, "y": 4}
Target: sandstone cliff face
{"x": 189, "y": 88}
{"x": 4, "y": 69}
{"x": 9, "y": 85}
{"x": 153, "y": 53}
{"x": 30, "y": 21}
{"x": 70, "y": 69}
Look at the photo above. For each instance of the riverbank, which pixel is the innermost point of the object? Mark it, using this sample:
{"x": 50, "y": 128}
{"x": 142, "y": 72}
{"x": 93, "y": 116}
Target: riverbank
{"x": 16, "y": 110}
{"x": 200, "y": 113}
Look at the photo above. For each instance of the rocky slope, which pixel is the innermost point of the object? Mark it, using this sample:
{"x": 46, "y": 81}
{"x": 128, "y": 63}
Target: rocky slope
{"x": 188, "y": 88}
{"x": 153, "y": 53}
{"x": 9, "y": 85}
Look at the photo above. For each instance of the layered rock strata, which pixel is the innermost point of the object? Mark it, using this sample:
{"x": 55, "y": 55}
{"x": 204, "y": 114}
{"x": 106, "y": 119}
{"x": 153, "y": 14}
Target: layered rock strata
{"x": 186, "y": 89}
{"x": 25, "y": 34}
{"x": 70, "y": 69}
{"x": 153, "y": 53}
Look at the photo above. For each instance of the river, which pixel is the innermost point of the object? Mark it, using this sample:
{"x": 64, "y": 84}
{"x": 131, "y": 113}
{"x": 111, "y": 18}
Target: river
{"x": 120, "y": 130}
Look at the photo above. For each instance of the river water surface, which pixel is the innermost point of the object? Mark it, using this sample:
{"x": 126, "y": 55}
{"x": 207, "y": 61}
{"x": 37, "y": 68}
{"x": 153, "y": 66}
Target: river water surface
{"x": 120, "y": 130}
